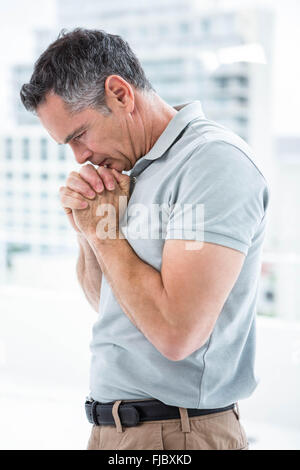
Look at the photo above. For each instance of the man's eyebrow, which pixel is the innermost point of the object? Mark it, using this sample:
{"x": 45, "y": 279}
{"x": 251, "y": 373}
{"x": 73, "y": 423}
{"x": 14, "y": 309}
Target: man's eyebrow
{"x": 74, "y": 133}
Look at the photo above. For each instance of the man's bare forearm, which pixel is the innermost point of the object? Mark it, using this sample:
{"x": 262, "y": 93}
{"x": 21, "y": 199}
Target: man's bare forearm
{"x": 139, "y": 290}
{"x": 89, "y": 273}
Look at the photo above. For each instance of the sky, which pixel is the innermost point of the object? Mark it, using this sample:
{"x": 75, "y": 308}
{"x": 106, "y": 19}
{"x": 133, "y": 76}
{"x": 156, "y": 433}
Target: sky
{"x": 286, "y": 68}
{"x": 18, "y": 18}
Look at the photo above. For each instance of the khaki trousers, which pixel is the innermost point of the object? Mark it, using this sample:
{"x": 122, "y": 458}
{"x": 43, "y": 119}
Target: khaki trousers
{"x": 218, "y": 431}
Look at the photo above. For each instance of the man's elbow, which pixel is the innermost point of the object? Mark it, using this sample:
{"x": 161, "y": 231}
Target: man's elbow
{"x": 178, "y": 351}
{"x": 183, "y": 338}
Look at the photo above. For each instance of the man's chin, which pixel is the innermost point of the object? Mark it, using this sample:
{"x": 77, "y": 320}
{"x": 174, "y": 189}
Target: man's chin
{"x": 115, "y": 166}
{"x": 118, "y": 165}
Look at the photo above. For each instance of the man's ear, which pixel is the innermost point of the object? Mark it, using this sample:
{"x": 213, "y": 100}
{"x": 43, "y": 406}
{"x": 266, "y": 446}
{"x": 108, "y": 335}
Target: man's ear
{"x": 119, "y": 93}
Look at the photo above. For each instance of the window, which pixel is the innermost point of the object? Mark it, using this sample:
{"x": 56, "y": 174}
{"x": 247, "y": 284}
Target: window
{"x": 61, "y": 153}
{"x": 184, "y": 28}
{"x": 242, "y": 80}
{"x": 241, "y": 119}
{"x": 206, "y": 25}
{"x": 44, "y": 149}
{"x": 25, "y": 148}
{"x": 242, "y": 99}
{"x": 222, "y": 81}
{"x": 8, "y": 148}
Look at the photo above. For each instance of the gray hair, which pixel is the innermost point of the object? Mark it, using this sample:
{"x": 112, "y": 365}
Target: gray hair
{"x": 75, "y": 67}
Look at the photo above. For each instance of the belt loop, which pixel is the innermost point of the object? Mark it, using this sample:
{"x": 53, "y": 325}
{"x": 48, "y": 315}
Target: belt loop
{"x": 116, "y": 415}
{"x": 236, "y": 410}
{"x": 94, "y": 412}
{"x": 185, "y": 422}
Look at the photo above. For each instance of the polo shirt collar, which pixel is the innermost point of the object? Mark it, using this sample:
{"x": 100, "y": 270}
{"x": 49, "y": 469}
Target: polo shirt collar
{"x": 186, "y": 113}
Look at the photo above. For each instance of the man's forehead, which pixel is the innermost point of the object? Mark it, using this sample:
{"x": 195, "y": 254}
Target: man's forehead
{"x": 53, "y": 105}
{"x": 58, "y": 121}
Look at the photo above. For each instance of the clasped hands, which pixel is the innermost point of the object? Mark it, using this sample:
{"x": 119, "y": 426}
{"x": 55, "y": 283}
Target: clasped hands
{"x": 95, "y": 199}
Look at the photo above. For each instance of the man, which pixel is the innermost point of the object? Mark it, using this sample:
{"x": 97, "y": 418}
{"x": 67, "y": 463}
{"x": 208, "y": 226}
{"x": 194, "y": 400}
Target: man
{"x": 173, "y": 346}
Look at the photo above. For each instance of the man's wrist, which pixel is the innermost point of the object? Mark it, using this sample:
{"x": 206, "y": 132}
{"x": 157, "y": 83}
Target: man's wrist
{"x": 82, "y": 238}
{"x": 108, "y": 238}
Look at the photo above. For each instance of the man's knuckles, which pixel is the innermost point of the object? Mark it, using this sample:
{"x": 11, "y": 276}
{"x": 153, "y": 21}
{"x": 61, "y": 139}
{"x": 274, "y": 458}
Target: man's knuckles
{"x": 91, "y": 176}
{"x": 67, "y": 192}
{"x": 107, "y": 176}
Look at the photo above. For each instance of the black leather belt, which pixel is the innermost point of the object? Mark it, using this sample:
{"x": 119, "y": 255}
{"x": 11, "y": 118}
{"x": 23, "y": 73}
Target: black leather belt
{"x": 132, "y": 413}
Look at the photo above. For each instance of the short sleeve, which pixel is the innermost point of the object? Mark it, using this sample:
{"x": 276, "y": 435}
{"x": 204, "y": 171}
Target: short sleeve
{"x": 219, "y": 196}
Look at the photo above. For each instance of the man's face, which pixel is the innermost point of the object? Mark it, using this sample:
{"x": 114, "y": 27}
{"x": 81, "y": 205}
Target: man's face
{"x": 92, "y": 136}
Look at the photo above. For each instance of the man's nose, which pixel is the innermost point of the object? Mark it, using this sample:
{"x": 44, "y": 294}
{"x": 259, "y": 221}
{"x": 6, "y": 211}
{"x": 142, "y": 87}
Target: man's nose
{"x": 81, "y": 153}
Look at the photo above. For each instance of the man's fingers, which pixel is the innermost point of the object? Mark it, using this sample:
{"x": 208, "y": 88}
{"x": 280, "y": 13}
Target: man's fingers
{"x": 71, "y": 200}
{"x": 99, "y": 178}
{"x": 123, "y": 180}
{"x": 71, "y": 203}
{"x": 107, "y": 177}
{"x": 90, "y": 175}
{"x": 78, "y": 184}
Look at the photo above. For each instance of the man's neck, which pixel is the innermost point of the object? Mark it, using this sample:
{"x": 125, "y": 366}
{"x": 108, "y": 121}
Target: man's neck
{"x": 156, "y": 116}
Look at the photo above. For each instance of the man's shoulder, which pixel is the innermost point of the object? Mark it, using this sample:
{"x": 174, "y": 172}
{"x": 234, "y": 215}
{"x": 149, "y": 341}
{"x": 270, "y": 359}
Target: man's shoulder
{"x": 219, "y": 148}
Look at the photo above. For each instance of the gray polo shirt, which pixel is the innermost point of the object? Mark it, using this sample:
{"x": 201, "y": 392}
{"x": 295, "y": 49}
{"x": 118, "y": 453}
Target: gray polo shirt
{"x": 194, "y": 162}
